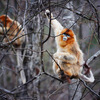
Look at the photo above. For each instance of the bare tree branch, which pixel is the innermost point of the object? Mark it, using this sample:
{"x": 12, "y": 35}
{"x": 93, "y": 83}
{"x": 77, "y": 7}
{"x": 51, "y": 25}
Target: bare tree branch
{"x": 93, "y": 57}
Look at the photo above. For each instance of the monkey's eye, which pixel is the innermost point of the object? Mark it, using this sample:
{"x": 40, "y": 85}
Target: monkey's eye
{"x": 65, "y": 36}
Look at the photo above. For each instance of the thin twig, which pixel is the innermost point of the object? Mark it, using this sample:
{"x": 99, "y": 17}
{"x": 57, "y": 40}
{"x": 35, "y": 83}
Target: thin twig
{"x": 75, "y": 91}
{"x": 89, "y": 88}
{"x": 93, "y": 57}
{"x": 54, "y": 59}
{"x": 49, "y": 26}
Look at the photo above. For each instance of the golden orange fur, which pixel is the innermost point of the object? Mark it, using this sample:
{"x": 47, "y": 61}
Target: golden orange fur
{"x": 69, "y": 56}
{"x": 12, "y": 30}
{"x": 70, "y": 39}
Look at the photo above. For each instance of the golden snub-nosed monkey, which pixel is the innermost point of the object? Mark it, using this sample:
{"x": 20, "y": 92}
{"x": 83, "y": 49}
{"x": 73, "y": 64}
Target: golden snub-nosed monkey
{"x": 69, "y": 56}
{"x": 11, "y": 29}
{"x": 14, "y": 34}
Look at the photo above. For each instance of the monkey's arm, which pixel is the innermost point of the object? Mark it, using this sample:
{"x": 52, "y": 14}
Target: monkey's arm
{"x": 57, "y": 27}
{"x": 1, "y": 30}
{"x": 65, "y": 57}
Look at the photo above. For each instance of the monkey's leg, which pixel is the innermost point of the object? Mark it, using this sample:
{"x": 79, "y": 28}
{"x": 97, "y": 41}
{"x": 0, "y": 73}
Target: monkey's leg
{"x": 62, "y": 74}
{"x": 57, "y": 70}
{"x": 65, "y": 57}
{"x": 55, "y": 67}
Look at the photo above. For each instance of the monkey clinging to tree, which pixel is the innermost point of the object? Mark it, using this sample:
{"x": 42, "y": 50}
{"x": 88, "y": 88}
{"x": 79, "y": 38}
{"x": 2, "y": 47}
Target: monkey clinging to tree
{"x": 69, "y": 55}
{"x": 13, "y": 34}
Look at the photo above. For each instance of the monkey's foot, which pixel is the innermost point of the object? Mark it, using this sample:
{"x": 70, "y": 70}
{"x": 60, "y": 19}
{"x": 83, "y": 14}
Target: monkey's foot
{"x": 64, "y": 77}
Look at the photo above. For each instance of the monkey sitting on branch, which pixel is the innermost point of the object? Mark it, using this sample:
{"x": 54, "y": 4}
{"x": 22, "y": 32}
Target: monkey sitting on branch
{"x": 69, "y": 56}
{"x": 13, "y": 34}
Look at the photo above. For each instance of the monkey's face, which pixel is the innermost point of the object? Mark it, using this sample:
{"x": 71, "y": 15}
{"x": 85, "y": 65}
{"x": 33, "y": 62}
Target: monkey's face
{"x": 5, "y": 20}
{"x": 67, "y": 34}
{"x": 67, "y": 37}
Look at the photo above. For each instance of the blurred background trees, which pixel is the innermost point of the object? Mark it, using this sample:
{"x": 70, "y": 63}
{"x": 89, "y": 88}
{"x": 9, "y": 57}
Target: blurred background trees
{"x": 82, "y": 16}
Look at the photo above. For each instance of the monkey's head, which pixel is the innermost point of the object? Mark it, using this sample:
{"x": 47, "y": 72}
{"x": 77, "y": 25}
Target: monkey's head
{"x": 67, "y": 37}
{"x": 5, "y": 19}
{"x": 67, "y": 34}
{"x": 13, "y": 30}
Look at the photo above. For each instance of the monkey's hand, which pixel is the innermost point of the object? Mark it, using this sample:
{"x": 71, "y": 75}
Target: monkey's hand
{"x": 65, "y": 57}
{"x": 47, "y": 13}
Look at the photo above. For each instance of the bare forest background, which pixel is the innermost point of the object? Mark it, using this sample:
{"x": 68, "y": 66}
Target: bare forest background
{"x": 82, "y": 16}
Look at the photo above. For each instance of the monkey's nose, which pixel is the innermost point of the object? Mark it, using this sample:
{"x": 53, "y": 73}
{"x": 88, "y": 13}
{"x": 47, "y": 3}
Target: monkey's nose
{"x": 64, "y": 38}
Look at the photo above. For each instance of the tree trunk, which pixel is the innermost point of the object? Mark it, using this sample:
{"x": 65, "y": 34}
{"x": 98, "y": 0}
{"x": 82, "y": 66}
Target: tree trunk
{"x": 32, "y": 61}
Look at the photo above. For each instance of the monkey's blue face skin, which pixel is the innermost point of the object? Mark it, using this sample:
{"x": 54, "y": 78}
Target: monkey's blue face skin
{"x": 65, "y": 36}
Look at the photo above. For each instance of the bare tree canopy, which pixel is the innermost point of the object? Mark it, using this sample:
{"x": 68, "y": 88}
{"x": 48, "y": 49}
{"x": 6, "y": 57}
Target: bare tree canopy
{"x": 28, "y": 43}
